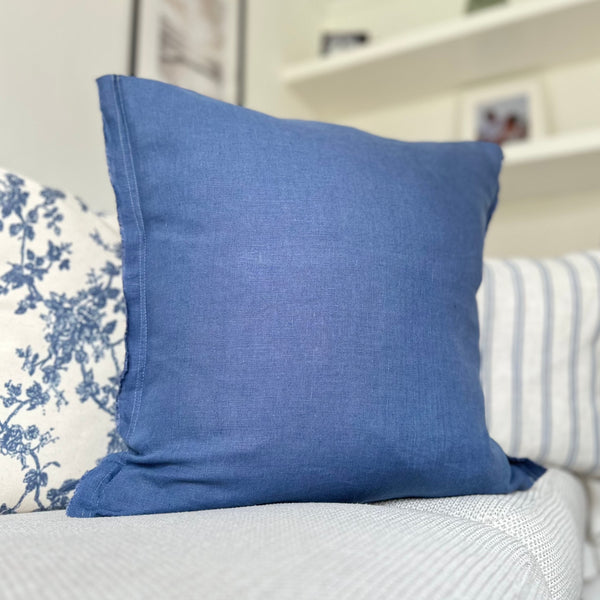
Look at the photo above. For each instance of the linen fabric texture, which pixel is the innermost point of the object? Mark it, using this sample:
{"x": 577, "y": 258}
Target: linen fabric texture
{"x": 540, "y": 358}
{"x": 301, "y": 313}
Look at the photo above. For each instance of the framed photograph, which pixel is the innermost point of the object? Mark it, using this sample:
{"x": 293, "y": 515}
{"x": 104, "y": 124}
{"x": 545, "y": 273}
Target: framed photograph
{"x": 475, "y": 5}
{"x": 332, "y": 43}
{"x": 504, "y": 114}
{"x": 195, "y": 44}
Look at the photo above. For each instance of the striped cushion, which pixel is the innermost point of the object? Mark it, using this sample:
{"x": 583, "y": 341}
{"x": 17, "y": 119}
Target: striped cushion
{"x": 540, "y": 355}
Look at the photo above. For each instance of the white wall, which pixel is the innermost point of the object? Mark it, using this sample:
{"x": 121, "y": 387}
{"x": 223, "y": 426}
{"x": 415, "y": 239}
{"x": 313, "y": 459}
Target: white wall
{"x": 383, "y": 18}
{"x": 51, "y": 51}
{"x": 278, "y": 31}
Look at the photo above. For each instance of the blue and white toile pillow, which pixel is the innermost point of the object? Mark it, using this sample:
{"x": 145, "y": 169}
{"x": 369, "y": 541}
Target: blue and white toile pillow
{"x": 62, "y": 323}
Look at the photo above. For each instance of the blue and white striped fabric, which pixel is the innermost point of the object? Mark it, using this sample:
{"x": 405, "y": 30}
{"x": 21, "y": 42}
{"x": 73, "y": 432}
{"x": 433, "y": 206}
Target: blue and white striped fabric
{"x": 540, "y": 358}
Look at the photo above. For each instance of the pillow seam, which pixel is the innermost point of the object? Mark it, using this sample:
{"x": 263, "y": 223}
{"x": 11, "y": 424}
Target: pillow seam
{"x": 127, "y": 156}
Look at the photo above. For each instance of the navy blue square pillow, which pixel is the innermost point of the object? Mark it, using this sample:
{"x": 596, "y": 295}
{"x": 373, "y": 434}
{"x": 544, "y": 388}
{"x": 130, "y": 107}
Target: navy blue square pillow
{"x": 302, "y": 323}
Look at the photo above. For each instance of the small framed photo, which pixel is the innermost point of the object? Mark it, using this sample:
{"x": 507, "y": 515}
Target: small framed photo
{"x": 334, "y": 42}
{"x": 475, "y": 5}
{"x": 504, "y": 114}
{"x": 195, "y": 44}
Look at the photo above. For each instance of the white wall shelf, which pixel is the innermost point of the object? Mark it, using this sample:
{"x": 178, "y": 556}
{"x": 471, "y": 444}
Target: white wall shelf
{"x": 565, "y": 164}
{"x": 491, "y": 43}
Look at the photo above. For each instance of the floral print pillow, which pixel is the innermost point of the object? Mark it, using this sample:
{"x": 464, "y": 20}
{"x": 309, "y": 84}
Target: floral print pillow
{"x": 62, "y": 324}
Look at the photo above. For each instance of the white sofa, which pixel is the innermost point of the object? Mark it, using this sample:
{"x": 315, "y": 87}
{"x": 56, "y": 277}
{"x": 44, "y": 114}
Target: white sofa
{"x": 526, "y": 545}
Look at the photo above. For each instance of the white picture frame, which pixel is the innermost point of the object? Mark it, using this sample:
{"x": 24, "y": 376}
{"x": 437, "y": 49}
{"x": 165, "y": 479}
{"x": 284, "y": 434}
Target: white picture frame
{"x": 518, "y": 101}
{"x": 194, "y": 44}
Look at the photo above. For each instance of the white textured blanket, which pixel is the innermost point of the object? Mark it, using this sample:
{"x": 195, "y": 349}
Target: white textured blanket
{"x": 525, "y": 545}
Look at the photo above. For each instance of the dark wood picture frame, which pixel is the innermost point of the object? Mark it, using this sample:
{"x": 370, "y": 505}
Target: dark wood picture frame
{"x": 160, "y": 48}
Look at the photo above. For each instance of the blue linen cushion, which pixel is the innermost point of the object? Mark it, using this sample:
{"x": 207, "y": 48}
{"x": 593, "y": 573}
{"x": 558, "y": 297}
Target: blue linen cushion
{"x": 302, "y": 322}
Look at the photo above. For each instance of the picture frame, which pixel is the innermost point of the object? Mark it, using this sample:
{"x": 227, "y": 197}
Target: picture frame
{"x": 335, "y": 42}
{"x": 507, "y": 113}
{"x": 476, "y": 5}
{"x": 194, "y": 44}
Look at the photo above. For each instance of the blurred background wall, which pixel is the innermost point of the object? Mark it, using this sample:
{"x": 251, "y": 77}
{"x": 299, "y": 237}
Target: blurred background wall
{"x": 52, "y": 51}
